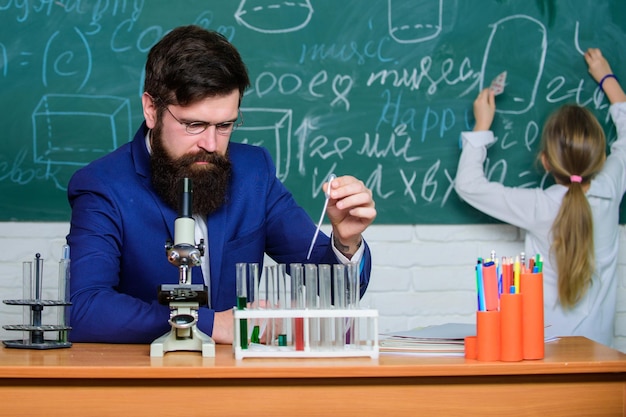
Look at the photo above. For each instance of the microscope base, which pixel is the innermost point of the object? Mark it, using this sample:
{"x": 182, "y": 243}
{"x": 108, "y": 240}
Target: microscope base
{"x": 197, "y": 341}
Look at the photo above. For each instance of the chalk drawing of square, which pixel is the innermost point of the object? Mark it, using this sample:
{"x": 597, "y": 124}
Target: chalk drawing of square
{"x": 76, "y": 129}
{"x": 270, "y": 128}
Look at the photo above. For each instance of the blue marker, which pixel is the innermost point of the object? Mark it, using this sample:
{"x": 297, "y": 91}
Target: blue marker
{"x": 480, "y": 286}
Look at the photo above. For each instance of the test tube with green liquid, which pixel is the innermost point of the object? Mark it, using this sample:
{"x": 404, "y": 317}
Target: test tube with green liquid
{"x": 269, "y": 280}
{"x": 281, "y": 302}
{"x": 242, "y": 302}
{"x": 254, "y": 281}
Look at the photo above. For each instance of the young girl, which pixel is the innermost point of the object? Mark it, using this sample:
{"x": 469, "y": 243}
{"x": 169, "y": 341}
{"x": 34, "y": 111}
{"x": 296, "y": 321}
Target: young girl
{"x": 572, "y": 224}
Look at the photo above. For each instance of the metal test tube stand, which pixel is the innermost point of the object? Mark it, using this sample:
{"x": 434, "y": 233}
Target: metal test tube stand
{"x": 185, "y": 298}
{"x": 34, "y": 304}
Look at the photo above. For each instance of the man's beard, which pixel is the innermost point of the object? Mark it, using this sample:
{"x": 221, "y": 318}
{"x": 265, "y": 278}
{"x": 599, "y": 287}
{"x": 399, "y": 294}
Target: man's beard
{"x": 210, "y": 182}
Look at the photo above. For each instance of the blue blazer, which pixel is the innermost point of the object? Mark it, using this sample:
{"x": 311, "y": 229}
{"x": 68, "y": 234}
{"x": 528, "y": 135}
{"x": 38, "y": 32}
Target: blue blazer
{"x": 119, "y": 227}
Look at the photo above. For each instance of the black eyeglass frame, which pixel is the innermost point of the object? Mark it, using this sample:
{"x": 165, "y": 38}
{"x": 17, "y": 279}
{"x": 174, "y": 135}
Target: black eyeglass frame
{"x": 197, "y": 127}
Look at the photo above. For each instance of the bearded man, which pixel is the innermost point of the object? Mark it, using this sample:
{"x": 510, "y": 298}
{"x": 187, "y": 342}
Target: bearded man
{"x": 124, "y": 205}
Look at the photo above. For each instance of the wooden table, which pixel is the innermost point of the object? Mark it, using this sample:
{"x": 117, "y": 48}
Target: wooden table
{"x": 577, "y": 377}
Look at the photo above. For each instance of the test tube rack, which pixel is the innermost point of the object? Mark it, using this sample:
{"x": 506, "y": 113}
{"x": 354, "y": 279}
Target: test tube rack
{"x": 34, "y": 331}
{"x": 364, "y": 333}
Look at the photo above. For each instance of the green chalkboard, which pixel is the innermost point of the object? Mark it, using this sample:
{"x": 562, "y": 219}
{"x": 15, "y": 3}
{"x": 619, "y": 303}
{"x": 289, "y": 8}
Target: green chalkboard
{"x": 377, "y": 89}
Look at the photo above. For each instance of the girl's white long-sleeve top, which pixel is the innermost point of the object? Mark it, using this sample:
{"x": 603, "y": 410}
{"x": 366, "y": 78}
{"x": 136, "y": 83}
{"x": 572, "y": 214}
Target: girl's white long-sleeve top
{"x": 534, "y": 211}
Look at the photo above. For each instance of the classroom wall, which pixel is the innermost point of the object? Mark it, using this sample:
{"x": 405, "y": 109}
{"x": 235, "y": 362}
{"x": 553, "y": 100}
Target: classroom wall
{"x": 422, "y": 275}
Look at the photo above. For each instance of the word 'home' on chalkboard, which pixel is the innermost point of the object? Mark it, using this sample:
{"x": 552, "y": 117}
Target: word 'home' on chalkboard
{"x": 380, "y": 90}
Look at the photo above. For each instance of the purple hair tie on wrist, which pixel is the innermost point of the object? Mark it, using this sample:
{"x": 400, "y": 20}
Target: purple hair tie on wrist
{"x": 576, "y": 178}
{"x": 604, "y": 78}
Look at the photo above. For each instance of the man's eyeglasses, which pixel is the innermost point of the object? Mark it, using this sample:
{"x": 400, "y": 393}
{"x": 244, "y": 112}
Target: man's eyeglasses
{"x": 223, "y": 128}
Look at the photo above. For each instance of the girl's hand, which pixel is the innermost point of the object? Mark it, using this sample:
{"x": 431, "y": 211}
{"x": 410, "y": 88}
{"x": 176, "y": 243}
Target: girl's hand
{"x": 598, "y": 68}
{"x": 484, "y": 109}
{"x": 598, "y": 65}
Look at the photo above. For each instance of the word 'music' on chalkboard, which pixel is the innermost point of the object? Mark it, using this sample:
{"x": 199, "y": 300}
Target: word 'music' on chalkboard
{"x": 376, "y": 89}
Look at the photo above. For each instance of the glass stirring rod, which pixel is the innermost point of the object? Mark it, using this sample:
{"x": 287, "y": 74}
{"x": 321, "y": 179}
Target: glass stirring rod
{"x": 331, "y": 177}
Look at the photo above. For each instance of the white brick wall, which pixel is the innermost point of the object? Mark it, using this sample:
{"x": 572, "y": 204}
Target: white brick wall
{"x": 422, "y": 275}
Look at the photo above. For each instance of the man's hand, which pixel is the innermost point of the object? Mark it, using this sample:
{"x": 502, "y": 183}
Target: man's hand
{"x": 350, "y": 210}
{"x": 223, "y": 327}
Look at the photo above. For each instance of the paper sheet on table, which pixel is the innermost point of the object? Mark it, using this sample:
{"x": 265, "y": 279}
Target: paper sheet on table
{"x": 421, "y": 353}
{"x": 444, "y": 339}
{"x": 447, "y": 331}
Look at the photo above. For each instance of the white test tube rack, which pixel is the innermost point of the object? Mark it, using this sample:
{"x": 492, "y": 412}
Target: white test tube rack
{"x": 364, "y": 343}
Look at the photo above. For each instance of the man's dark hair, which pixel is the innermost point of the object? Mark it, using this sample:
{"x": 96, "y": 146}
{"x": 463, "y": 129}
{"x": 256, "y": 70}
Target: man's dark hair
{"x": 190, "y": 64}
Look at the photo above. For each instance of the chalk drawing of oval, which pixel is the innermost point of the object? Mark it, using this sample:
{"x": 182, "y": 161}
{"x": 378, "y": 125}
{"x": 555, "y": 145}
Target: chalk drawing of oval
{"x": 414, "y": 21}
{"x": 273, "y": 16}
{"x": 518, "y": 45}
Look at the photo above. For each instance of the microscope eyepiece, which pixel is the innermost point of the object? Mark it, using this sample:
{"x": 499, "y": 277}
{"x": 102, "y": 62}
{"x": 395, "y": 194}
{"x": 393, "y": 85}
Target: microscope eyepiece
{"x": 186, "y": 198}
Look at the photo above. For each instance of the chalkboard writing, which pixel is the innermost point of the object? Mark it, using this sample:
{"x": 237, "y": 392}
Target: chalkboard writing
{"x": 377, "y": 89}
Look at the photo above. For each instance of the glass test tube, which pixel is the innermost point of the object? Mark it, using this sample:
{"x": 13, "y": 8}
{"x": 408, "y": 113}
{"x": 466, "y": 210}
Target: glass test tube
{"x": 269, "y": 280}
{"x": 242, "y": 301}
{"x": 297, "y": 302}
{"x": 339, "y": 275}
{"x": 325, "y": 288}
{"x": 310, "y": 281}
{"x": 253, "y": 279}
{"x": 353, "y": 303}
{"x": 27, "y": 294}
{"x": 282, "y": 301}
{"x": 64, "y": 293}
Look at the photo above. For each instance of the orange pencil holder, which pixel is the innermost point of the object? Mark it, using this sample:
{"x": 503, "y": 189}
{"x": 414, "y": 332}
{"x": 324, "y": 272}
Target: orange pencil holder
{"x": 531, "y": 289}
{"x": 488, "y": 335}
{"x": 470, "y": 347}
{"x": 511, "y": 323}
